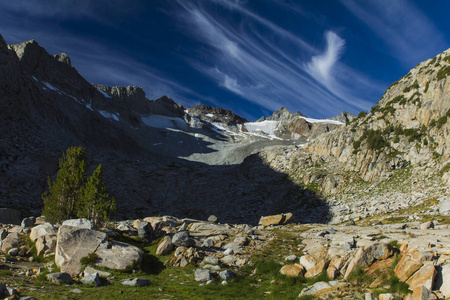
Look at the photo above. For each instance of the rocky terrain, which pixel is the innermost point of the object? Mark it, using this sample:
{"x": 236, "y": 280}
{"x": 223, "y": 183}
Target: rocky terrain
{"x": 356, "y": 207}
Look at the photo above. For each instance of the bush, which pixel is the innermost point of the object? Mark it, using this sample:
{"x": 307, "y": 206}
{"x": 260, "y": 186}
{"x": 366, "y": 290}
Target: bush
{"x": 362, "y": 114}
{"x": 375, "y": 140}
{"x": 89, "y": 260}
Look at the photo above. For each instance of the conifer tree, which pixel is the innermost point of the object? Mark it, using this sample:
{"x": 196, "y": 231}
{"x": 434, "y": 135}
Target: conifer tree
{"x": 60, "y": 200}
{"x": 94, "y": 202}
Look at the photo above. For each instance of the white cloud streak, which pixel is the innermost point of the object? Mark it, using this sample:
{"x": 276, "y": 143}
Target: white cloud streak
{"x": 255, "y": 66}
{"x": 409, "y": 34}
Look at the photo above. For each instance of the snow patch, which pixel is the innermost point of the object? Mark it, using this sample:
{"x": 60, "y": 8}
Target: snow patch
{"x": 327, "y": 121}
{"x": 210, "y": 115}
{"x": 164, "y": 122}
{"x": 109, "y": 115}
{"x": 104, "y": 94}
{"x": 48, "y": 85}
{"x": 266, "y": 126}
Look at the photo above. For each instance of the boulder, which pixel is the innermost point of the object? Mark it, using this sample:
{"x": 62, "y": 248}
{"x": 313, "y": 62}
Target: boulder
{"x": 387, "y": 296}
{"x": 365, "y": 256}
{"x": 80, "y": 223}
{"x": 145, "y": 231}
{"x": 227, "y": 275}
{"x": 280, "y": 219}
{"x": 421, "y": 293}
{"x": 427, "y": 225}
{"x": 291, "y": 258}
{"x": 182, "y": 238}
{"x": 445, "y": 287}
{"x": 45, "y": 229}
{"x": 59, "y": 277}
{"x": 202, "y": 275}
{"x": 89, "y": 271}
{"x": 317, "y": 269}
{"x": 294, "y": 270}
{"x": 212, "y": 219}
{"x": 136, "y": 282}
{"x": 444, "y": 208}
{"x": 423, "y": 277}
{"x": 91, "y": 279}
{"x": 208, "y": 243}
{"x": 74, "y": 243}
{"x": 165, "y": 247}
{"x": 406, "y": 267}
{"x": 28, "y": 222}
{"x": 322, "y": 287}
{"x": 118, "y": 255}
{"x": 11, "y": 241}
{"x": 13, "y": 252}
{"x": 3, "y": 233}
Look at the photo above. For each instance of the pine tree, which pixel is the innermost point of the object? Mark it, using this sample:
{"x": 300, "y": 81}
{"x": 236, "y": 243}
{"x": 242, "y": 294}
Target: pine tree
{"x": 60, "y": 200}
{"x": 94, "y": 202}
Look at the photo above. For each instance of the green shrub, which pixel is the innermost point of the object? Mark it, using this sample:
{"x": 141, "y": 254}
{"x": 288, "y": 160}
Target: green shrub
{"x": 443, "y": 72}
{"x": 426, "y": 87}
{"x": 362, "y": 114}
{"x": 415, "y": 85}
{"x": 90, "y": 259}
{"x": 375, "y": 140}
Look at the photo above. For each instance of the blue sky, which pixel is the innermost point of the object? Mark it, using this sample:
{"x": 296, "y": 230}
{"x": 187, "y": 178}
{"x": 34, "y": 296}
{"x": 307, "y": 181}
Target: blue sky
{"x": 252, "y": 57}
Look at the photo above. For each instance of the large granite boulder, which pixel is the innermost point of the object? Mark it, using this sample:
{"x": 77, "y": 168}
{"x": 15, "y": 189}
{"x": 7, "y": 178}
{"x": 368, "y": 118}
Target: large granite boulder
{"x": 275, "y": 219}
{"x": 74, "y": 243}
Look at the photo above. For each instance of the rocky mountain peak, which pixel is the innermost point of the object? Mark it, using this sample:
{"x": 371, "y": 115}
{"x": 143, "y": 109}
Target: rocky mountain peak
{"x": 282, "y": 114}
{"x": 344, "y": 117}
{"x": 216, "y": 114}
{"x": 62, "y": 57}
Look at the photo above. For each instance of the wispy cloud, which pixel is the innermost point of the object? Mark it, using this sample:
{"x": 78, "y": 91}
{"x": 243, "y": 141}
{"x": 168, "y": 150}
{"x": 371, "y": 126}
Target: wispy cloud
{"x": 270, "y": 68}
{"x": 322, "y": 65}
{"x": 409, "y": 34}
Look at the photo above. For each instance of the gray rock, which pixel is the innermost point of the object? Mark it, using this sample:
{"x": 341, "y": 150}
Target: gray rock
{"x": 208, "y": 243}
{"x": 11, "y": 291}
{"x": 212, "y": 219}
{"x": 13, "y": 251}
{"x": 3, "y": 233}
{"x": 28, "y": 222}
{"x": 45, "y": 229}
{"x": 444, "y": 208}
{"x": 59, "y": 277}
{"x": 11, "y": 241}
{"x": 291, "y": 258}
{"x": 27, "y": 298}
{"x": 91, "y": 279}
{"x": 202, "y": 275}
{"x": 229, "y": 251}
{"x": 210, "y": 260}
{"x": 145, "y": 231}
{"x": 182, "y": 238}
{"x": 165, "y": 247}
{"x": 76, "y": 291}
{"x": 227, "y": 275}
{"x": 89, "y": 270}
{"x": 136, "y": 282}
{"x": 426, "y": 225}
{"x": 80, "y": 223}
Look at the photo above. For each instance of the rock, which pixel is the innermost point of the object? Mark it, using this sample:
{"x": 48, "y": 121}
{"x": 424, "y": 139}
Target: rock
{"x": 291, "y": 258}
{"x": 387, "y": 296}
{"x": 3, "y": 233}
{"x": 80, "y": 223}
{"x": 145, "y": 231}
{"x": 317, "y": 269}
{"x": 426, "y": 225}
{"x": 89, "y": 271}
{"x": 229, "y": 251}
{"x": 13, "y": 251}
{"x": 227, "y": 275}
{"x": 45, "y": 229}
{"x": 2, "y": 289}
{"x": 322, "y": 287}
{"x": 91, "y": 279}
{"x": 202, "y": 275}
{"x": 308, "y": 261}
{"x": 332, "y": 272}
{"x": 10, "y": 216}
{"x": 275, "y": 219}
{"x": 212, "y": 219}
{"x": 136, "y": 282}
{"x": 367, "y": 296}
{"x": 74, "y": 243}
{"x": 210, "y": 260}
{"x": 421, "y": 293}
{"x": 444, "y": 208}
{"x": 165, "y": 247}
{"x": 11, "y": 241}
{"x": 59, "y": 278}
{"x": 118, "y": 255}
{"x": 406, "y": 267}
{"x": 28, "y": 222}
{"x": 11, "y": 291}
{"x": 423, "y": 277}
{"x": 295, "y": 270}
{"x": 208, "y": 243}
{"x": 182, "y": 238}
{"x": 445, "y": 287}
{"x": 76, "y": 291}
{"x": 365, "y": 256}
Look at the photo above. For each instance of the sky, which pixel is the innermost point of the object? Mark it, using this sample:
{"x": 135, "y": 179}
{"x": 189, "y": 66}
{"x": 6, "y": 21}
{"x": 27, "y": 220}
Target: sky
{"x": 319, "y": 57}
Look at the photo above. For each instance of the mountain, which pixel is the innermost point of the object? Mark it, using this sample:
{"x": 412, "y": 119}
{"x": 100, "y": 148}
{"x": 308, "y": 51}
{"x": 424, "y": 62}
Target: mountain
{"x": 158, "y": 156}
